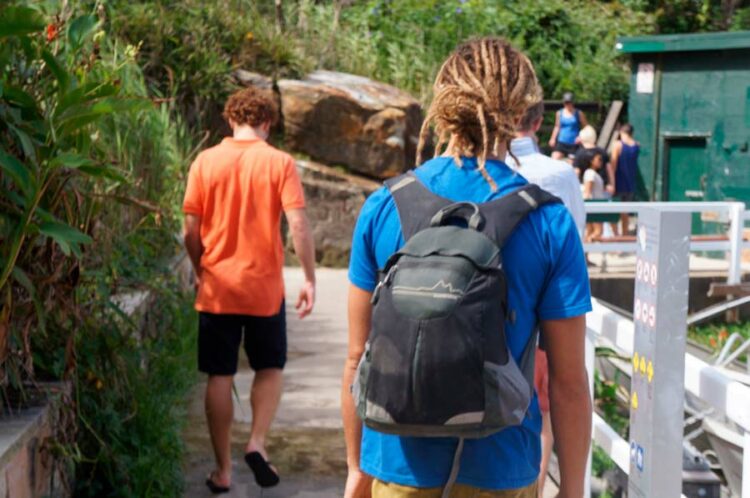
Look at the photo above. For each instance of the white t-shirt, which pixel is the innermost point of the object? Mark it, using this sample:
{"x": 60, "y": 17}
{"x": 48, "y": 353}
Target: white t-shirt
{"x": 556, "y": 177}
{"x": 597, "y": 190}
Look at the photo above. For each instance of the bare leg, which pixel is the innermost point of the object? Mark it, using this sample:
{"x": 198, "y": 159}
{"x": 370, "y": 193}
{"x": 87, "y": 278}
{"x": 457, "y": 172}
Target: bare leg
{"x": 264, "y": 400}
{"x": 219, "y": 413}
{"x": 548, "y": 441}
{"x": 556, "y": 154}
{"x": 624, "y": 223}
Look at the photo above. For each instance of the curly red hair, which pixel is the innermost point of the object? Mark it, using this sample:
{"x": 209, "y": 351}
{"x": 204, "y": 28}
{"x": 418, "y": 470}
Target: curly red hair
{"x": 251, "y": 106}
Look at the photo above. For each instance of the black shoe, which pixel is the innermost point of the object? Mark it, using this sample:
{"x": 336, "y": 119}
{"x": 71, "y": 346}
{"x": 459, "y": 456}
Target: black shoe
{"x": 215, "y": 488}
{"x": 264, "y": 474}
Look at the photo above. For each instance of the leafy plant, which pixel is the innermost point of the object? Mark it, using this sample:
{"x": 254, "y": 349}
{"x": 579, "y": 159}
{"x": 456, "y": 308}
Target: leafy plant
{"x": 91, "y": 173}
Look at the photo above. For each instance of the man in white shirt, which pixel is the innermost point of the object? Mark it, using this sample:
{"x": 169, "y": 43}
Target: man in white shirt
{"x": 560, "y": 179}
{"x": 556, "y": 177}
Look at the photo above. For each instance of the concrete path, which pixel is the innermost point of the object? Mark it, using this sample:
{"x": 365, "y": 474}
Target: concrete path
{"x": 306, "y": 443}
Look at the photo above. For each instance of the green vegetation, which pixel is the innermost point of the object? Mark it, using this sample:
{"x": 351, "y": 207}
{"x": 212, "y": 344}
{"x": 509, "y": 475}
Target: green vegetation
{"x": 715, "y": 336}
{"x": 91, "y": 173}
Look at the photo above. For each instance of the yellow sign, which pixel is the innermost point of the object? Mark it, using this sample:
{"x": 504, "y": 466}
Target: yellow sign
{"x": 643, "y": 365}
{"x": 635, "y": 363}
{"x": 634, "y": 400}
{"x": 650, "y": 369}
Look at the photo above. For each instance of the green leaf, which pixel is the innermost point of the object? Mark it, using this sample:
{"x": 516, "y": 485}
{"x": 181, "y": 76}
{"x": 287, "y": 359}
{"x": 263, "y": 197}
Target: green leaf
{"x": 20, "y": 276}
{"x": 17, "y": 171}
{"x": 80, "y": 29}
{"x": 103, "y": 172}
{"x": 27, "y": 144}
{"x": 70, "y": 160}
{"x": 78, "y": 116}
{"x": 17, "y": 21}
{"x": 61, "y": 75}
{"x": 20, "y": 97}
{"x": 87, "y": 92}
{"x": 68, "y": 238}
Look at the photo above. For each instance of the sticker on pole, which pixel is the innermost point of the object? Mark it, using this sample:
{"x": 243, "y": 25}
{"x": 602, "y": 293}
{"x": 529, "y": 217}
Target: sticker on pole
{"x": 639, "y": 458}
{"x": 642, "y": 238}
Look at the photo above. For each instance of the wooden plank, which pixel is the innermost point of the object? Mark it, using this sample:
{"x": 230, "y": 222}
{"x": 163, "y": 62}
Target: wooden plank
{"x": 608, "y": 128}
{"x": 721, "y": 290}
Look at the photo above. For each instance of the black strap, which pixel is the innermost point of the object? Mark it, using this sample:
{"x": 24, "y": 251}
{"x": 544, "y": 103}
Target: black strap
{"x": 504, "y": 214}
{"x": 415, "y": 204}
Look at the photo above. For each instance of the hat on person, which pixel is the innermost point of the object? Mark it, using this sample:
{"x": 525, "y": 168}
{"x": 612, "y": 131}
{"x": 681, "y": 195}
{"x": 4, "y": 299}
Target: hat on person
{"x": 568, "y": 97}
{"x": 588, "y": 135}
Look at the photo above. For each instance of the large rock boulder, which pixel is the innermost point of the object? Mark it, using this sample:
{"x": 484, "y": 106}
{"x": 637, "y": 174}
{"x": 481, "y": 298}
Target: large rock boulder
{"x": 333, "y": 203}
{"x": 338, "y": 118}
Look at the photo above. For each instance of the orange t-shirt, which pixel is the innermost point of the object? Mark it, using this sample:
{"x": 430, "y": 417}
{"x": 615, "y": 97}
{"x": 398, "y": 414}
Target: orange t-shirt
{"x": 239, "y": 189}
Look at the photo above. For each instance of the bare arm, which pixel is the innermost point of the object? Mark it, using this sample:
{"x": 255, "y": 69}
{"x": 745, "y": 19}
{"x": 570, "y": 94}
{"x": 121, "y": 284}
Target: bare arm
{"x": 570, "y": 401}
{"x": 360, "y": 314}
{"x": 582, "y": 117}
{"x": 304, "y": 248}
{"x": 555, "y": 130}
{"x": 588, "y": 187}
{"x": 193, "y": 244}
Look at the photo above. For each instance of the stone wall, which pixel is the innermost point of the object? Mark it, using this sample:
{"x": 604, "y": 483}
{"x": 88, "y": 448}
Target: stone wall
{"x": 28, "y": 467}
{"x": 333, "y": 203}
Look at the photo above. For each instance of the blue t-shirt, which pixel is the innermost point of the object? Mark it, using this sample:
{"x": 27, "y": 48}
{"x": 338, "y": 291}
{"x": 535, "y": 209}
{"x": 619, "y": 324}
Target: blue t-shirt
{"x": 547, "y": 279}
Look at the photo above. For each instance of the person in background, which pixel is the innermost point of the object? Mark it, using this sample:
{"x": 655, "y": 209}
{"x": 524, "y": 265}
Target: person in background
{"x": 624, "y": 161}
{"x": 593, "y": 189}
{"x": 559, "y": 179}
{"x": 236, "y": 192}
{"x": 568, "y": 122}
{"x": 581, "y": 161}
{"x": 556, "y": 177}
{"x": 481, "y": 93}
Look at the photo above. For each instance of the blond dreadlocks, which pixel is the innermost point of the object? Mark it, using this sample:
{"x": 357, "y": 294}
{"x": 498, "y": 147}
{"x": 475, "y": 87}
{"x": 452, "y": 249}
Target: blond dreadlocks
{"x": 480, "y": 93}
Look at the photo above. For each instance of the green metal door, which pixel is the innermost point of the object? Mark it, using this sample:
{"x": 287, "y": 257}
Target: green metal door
{"x": 686, "y": 173}
{"x": 687, "y": 168}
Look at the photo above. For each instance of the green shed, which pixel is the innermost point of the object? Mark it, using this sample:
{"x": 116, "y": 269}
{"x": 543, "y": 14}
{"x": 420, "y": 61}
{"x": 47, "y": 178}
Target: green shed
{"x": 690, "y": 107}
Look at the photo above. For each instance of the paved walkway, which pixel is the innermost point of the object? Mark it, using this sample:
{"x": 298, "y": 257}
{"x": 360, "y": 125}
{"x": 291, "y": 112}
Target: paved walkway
{"x": 307, "y": 442}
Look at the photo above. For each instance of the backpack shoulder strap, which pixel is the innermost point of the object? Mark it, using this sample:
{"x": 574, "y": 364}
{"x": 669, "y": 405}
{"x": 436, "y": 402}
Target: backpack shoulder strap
{"x": 415, "y": 204}
{"x": 504, "y": 214}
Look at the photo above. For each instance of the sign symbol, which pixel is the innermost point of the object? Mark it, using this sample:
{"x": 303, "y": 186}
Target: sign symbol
{"x": 653, "y": 275}
{"x": 650, "y": 371}
{"x": 643, "y": 365}
{"x": 633, "y": 450}
{"x": 642, "y": 238}
{"x": 652, "y": 316}
{"x": 635, "y": 362}
{"x": 634, "y": 400}
{"x": 637, "y": 310}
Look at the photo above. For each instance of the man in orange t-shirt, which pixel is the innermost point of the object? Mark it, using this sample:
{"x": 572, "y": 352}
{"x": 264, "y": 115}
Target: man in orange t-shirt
{"x": 235, "y": 195}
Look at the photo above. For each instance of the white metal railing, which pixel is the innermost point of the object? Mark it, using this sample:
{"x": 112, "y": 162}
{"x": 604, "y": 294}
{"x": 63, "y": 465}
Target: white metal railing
{"x": 708, "y": 383}
{"x": 732, "y": 213}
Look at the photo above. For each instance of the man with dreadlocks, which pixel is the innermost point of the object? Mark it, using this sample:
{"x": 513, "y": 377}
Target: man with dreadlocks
{"x": 480, "y": 94}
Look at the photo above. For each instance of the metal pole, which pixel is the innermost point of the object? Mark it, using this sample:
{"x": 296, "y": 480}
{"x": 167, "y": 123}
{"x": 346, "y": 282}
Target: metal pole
{"x": 657, "y": 382}
{"x": 737, "y": 224}
{"x": 746, "y": 466}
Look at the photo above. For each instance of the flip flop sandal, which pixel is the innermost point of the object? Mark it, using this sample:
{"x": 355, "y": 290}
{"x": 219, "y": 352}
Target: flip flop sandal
{"x": 264, "y": 474}
{"x": 215, "y": 488}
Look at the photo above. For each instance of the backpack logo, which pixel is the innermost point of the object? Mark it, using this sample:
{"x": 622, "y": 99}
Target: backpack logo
{"x": 440, "y": 290}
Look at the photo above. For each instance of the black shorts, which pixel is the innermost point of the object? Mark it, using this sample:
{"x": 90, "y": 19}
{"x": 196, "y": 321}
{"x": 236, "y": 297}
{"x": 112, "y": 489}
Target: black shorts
{"x": 625, "y": 196}
{"x": 567, "y": 149}
{"x": 219, "y": 338}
